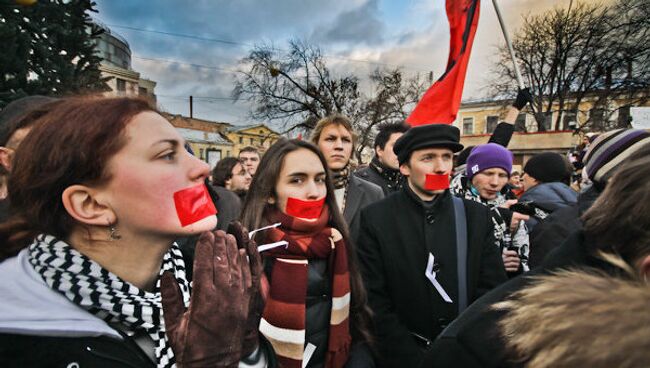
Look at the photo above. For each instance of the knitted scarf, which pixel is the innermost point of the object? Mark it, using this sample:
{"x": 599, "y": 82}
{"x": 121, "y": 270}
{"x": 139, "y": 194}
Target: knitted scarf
{"x": 340, "y": 177}
{"x": 283, "y": 320}
{"x": 104, "y": 294}
{"x": 393, "y": 177}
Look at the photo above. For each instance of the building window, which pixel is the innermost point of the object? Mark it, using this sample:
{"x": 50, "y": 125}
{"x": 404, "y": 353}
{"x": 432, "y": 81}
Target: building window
{"x": 468, "y": 126}
{"x": 492, "y": 122}
{"x": 597, "y": 117}
{"x": 142, "y": 91}
{"x": 569, "y": 121}
{"x": 520, "y": 123}
{"x": 624, "y": 118}
{"x": 121, "y": 84}
{"x": 252, "y": 141}
{"x": 201, "y": 153}
{"x": 548, "y": 120}
{"x": 241, "y": 140}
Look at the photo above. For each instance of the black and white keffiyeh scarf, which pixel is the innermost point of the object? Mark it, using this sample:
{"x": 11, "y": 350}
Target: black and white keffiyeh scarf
{"x": 393, "y": 177}
{"x": 461, "y": 187}
{"x": 104, "y": 294}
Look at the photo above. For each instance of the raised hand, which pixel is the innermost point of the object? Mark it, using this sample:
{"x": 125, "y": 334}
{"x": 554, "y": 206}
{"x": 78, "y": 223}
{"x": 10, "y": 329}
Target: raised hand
{"x": 209, "y": 333}
{"x": 524, "y": 97}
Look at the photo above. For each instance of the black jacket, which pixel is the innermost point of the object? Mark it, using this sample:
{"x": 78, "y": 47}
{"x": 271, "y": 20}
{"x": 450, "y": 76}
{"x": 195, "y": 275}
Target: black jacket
{"x": 557, "y": 227}
{"x": 397, "y": 234}
{"x": 360, "y": 193}
{"x": 370, "y": 174}
{"x": 47, "y": 351}
{"x": 472, "y": 340}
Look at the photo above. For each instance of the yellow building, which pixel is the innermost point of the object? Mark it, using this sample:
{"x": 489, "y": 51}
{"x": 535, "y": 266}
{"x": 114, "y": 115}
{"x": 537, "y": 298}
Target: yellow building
{"x": 477, "y": 120}
{"x": 206, "y": 138}
{"x": 259, "y": 136}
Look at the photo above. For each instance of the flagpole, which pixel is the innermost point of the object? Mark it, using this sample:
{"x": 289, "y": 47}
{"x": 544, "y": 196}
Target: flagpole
{"x": 520, "y": 80}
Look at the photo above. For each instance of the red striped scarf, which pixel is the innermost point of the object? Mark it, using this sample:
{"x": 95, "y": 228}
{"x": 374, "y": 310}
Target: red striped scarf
{"x": 283, "y": 320}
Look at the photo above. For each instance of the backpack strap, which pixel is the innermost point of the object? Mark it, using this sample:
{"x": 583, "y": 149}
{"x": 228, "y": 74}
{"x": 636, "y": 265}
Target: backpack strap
{"x": 461, "y": 251}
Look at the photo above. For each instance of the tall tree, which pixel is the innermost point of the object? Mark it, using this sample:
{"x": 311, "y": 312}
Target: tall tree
{"x": 48, "y": 49}
{"x": 297, "y": 88}
{"x": 583, "y": 51}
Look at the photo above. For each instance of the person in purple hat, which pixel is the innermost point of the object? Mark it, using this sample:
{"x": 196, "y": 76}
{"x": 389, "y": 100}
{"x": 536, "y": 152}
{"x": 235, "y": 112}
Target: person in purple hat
{"x": 484, "y": 181}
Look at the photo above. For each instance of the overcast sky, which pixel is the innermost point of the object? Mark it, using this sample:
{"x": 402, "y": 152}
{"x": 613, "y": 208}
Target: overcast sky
{"x": 356, "y": 36}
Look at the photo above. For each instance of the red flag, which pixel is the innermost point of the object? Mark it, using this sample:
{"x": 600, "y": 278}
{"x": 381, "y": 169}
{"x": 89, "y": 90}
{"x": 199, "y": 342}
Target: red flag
{"x": 441, "y": 102}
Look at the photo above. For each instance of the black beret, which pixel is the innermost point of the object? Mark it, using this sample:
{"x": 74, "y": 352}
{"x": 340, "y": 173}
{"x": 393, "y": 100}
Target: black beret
{"x": 427, "y": 136}
{"x": 548, "y": 167}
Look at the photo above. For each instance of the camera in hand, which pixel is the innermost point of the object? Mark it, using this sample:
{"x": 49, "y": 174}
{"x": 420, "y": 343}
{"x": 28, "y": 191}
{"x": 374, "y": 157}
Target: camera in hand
{"x": 526, "y": 208}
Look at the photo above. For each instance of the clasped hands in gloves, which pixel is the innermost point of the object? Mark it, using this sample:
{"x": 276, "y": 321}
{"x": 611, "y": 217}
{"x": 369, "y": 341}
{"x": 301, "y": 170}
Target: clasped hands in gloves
{"x": 220, "y": 326}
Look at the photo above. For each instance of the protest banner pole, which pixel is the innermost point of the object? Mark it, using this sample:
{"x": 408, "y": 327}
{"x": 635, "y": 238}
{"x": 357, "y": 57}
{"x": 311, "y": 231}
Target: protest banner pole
{"x": 520, "y": 80}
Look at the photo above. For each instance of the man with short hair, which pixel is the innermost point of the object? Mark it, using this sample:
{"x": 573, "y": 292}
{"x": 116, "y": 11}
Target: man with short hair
{"x": 250, "y": 158}
{"x": 231, "y": 174}
{"x": 424, "y": 254}
{"x": 545, "y": 181}
{"x": 335, "y": 138}
{"x": 384, "y": 167}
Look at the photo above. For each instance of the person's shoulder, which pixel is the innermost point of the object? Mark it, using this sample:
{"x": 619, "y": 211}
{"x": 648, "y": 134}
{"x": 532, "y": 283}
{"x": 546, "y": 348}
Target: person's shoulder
{"x": 364, "y": 172}
{"x": 385, "y": 204}
{"x": 368, "y": 186}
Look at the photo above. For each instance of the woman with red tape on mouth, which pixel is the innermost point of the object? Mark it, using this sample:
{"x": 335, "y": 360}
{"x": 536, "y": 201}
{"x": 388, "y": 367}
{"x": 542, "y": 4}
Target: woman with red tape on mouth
{"x": 90, "y": 274}
{"x": 315, "y": 314}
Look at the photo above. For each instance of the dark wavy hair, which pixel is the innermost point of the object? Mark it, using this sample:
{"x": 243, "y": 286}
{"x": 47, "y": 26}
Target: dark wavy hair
{"x": 222, "y": 171}
{"x": 619, "y": 220}
{"x": 70, "y": 144}
{"x": 263, "y": 187}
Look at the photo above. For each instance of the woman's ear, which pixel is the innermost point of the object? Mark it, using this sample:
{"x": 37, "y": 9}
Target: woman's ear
{"x": 81, "y": 203}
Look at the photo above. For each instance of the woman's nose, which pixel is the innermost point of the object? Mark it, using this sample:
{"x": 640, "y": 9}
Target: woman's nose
{"x": 199, "y": 169}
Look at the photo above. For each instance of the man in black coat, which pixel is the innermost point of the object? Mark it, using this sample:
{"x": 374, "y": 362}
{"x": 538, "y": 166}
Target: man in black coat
{"x": 383, "y": 170}
{"x": 408, "y": 250}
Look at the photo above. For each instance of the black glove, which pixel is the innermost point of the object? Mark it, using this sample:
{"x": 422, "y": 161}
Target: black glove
{"x": 523, "y": 98}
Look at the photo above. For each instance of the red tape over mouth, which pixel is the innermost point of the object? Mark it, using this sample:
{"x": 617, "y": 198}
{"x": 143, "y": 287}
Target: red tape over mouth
{"x": 304, "y": 209}
{"x": 193, "y": 204}
{"x": 436, "y": 182}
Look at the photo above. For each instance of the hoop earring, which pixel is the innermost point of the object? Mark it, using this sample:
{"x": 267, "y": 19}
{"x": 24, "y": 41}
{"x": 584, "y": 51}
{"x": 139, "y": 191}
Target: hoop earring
{"x": 113, "y": 234}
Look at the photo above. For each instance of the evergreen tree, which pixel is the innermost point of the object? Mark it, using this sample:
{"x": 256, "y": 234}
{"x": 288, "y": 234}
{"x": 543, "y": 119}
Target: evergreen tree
{"x": 48, "y": 48}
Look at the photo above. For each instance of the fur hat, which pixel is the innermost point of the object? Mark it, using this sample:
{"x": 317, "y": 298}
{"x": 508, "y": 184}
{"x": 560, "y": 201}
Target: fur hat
{"x": 427, "y": 136}
{"x": 578, "y": 319}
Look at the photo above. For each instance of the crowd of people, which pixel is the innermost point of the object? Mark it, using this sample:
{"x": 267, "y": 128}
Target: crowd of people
{"x": 120, "y": 248}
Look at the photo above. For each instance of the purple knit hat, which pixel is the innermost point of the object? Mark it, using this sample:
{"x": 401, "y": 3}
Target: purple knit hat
{"x": 487, "y": 156}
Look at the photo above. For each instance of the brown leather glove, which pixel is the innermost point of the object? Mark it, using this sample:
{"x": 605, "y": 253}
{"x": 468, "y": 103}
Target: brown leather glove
{"x": 210, "y": 332}
{"x": 251, "y": 335}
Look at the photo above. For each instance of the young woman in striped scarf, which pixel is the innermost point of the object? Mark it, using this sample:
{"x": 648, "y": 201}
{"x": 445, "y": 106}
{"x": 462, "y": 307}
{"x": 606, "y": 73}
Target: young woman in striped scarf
{"x": 100, "y": 189}
{"x": 315, "y": 313}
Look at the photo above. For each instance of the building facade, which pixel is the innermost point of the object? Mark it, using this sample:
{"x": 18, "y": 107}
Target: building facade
{"x": 259, "y": 136}
{"x": 478, "y": 119}
{"x": 116, "y": 64}
{"x": 206, "y": 138}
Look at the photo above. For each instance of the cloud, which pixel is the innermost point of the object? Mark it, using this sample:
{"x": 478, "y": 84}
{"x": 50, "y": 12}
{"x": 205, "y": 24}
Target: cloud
{"x": 361, "y": 25}
{"x": 357, "y": 36}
